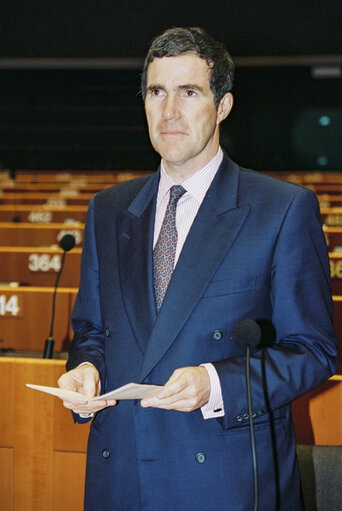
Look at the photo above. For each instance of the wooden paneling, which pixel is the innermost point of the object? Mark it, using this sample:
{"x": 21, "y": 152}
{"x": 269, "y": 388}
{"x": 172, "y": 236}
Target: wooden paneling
{"x": 26, "y": 322}
{"x": 42, "y": 214}
{"x": 322, "y": 188}
{"x": 329, "y": 201}
{"x": 68, "y": 476}
{"x": 305, "y": 177}
{"x": 35, "y": 235}
{"x": 35, "y": 476}
{"x": 338, "y": 328}
{"x": 44, "y": 470}
{"x": 68, "y": 436}
{"x": 33, "y": 437}
{"x": 333, "y": 236}
{"x": 7, "y": 403}
{"x": 75, "y": 177}
{"x": 35, "y": 266}
{"x": 335, "y": 259}
{"x": 67, "y": 189}
{"x": 6, "y": 479}
{"x": 318, "y": 416}
{"x": 46, "y": 198}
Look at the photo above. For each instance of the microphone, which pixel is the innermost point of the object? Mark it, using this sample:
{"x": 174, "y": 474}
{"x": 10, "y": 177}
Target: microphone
{"x": 258, "y": 333}
{"x": 13, "y": 178}
{"x": 247, "y": 332}
{"x": 66, "y": 244}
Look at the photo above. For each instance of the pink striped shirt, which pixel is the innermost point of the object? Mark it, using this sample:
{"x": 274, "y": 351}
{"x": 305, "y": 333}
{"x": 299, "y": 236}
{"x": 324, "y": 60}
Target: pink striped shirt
{"x": 196, "y": 187}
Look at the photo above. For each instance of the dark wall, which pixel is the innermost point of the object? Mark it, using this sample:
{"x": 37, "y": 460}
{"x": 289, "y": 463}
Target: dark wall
{"x": 94, "y": 119}
{"x": 53, "y": 119}
{"x": 124, "y": 28}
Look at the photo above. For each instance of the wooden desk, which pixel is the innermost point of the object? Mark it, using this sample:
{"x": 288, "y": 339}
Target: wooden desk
{"x": 332, "y": 216}
{"x": 329, "y": 201}
{"x": 59, "y": 176}
{"x": 307, "y": 177}
{"x": 35, "y": 266}
{"x": 43, "y": 213}
{"x": 59, "y": 199}
{"x": 42, "y": 452}
{"x": 318, "y": 414}
{"x": 60, "y": 188}
{"x": 320, "y": 188}
{"x": 338, "y": 328}
{"x": 34, "y": 235}
{"x": 104, "y": 177}
{"x": 25, "y": 317}
{"x": 335, "y": 260}
{"x": 333, "y": 236}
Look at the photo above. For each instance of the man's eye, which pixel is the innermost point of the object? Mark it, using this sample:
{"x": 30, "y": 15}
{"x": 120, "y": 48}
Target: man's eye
{"x": 190, "y": 93}
{"x": 155, "y": 92}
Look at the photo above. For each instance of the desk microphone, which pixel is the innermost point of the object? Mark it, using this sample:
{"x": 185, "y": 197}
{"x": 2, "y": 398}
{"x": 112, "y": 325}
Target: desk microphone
{"x": 66, "y": 243}
{"x": 13, "y": 177}
{"x": 247, "y": 334}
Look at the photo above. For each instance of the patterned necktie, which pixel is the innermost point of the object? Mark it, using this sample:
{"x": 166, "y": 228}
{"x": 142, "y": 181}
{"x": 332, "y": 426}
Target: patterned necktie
{"x": 165, "y": 249}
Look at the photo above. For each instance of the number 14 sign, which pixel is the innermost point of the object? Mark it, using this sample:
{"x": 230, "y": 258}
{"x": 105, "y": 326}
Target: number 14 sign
{"x": 9, "y": 305}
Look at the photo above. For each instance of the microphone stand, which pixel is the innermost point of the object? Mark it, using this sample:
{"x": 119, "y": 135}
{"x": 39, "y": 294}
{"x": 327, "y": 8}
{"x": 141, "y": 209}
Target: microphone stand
{"x": 49, "y": 343}
{"x": 251, "y": 428}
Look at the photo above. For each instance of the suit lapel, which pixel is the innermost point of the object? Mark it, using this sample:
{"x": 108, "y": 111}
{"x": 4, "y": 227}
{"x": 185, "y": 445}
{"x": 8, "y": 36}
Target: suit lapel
{"x": 214, "y": 229}
{"x": 135, "y": 228}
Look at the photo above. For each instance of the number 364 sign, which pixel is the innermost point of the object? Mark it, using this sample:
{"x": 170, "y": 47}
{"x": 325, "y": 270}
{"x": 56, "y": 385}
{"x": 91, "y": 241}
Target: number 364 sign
{"x": 44, "y": 262}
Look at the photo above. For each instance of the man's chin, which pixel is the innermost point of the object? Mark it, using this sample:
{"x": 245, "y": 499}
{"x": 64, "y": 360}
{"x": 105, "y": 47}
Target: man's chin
{"x": 174, "y": 156}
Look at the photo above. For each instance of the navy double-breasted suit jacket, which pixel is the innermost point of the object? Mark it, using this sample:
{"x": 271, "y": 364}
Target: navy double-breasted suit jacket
{"x": 255, "y": 250}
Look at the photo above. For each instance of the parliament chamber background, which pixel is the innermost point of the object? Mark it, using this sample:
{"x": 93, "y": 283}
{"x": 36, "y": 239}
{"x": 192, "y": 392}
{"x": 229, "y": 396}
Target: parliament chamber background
{"x": 72, "y": 122}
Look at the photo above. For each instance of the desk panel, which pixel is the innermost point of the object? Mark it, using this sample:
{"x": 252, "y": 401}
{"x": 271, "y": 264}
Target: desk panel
{"x": 35, "y": 266}
{"x": 35, "y": 235}
{"x": 25, "y": 317}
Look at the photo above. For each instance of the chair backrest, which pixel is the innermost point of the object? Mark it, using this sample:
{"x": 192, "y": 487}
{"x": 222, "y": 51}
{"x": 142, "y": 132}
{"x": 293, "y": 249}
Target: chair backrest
{"x": 321, "y": 475}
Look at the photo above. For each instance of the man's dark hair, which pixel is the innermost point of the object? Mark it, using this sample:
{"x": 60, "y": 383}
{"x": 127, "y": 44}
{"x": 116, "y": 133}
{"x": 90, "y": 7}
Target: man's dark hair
{"x": 194, "y": 40}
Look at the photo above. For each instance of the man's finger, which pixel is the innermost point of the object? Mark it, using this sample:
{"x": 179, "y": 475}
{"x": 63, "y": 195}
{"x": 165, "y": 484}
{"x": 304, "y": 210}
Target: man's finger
{"x": 89, "y": 386}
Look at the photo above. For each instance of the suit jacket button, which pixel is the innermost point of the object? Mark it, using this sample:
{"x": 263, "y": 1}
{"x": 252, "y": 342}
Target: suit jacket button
{"x": 201, "y": 457}
{"x": 107, "y": 332}
{"x": 106, "y": 453}
{"x": 217, "y": 335}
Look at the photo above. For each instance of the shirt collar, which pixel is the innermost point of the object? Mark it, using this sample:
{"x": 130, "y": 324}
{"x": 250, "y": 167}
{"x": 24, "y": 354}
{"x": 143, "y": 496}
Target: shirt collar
{"x": 196, "y": 185}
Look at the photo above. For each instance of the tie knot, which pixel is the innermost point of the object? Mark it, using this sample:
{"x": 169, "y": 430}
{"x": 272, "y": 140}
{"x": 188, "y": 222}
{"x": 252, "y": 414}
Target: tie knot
{"x": 176, "y": 193}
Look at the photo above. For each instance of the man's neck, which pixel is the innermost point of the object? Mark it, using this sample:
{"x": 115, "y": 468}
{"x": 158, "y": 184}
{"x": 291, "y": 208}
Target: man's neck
{"x": 181, "y": 172}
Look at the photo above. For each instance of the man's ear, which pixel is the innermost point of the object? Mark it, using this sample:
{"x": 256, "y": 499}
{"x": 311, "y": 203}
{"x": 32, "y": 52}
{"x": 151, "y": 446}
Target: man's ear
{"x": 224, "y": 107}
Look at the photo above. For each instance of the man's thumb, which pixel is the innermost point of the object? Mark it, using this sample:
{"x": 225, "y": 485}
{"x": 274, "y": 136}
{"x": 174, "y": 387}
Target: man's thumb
{"x": 89, "y": 385}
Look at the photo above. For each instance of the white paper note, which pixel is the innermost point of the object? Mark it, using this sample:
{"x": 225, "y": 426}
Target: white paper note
{"x": 129, "y": 391}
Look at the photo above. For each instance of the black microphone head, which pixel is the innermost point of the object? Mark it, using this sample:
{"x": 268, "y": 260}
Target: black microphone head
{"x": 67, "y": 242}
{"x": 247, "y": 332}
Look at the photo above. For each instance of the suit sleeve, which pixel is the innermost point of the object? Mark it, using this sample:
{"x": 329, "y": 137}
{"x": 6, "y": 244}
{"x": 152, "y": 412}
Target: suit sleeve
{"x": 88, "y": 342}
{"x": 305, "y": 352}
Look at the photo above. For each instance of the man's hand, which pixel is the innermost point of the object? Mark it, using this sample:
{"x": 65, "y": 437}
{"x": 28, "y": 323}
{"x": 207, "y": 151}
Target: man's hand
{"x": 84, "y": 379}
{"x": 186, "y": 390}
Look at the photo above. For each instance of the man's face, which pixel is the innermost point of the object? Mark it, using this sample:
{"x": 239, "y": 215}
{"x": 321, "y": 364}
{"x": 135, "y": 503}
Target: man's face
{"x": 182, "y": 117}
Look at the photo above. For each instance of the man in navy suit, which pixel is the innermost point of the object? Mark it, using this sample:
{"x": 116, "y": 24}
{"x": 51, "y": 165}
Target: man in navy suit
{"x": 247, "y": 246}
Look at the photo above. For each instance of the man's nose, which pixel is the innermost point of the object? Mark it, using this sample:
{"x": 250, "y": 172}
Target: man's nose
{"x": 171, "y": 107}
